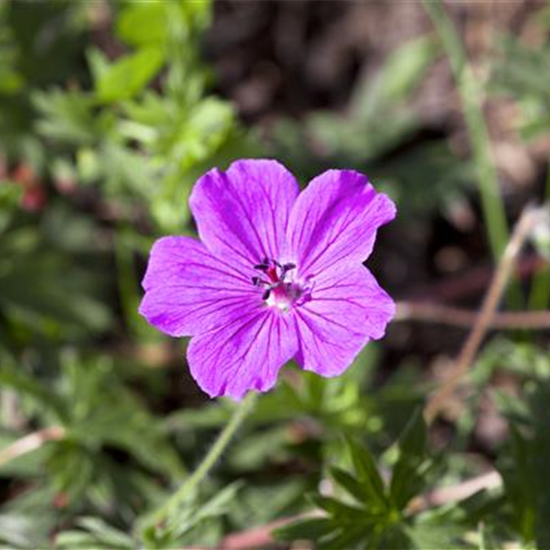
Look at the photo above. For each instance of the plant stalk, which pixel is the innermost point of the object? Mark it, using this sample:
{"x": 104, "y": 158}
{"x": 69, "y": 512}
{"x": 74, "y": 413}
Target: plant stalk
{"x": 523, "y": 229}
{"x": 220, "y": 445}
{"x": 471, "y": 98}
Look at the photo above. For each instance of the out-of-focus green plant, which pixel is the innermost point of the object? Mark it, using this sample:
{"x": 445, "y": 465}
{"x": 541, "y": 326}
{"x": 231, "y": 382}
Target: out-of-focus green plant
{"x": 147, "y": 128}
{"x": 68, "y": 299}
{"x": 519, "y": 73}
{"x": 471, "y": 95}
{"x": 424, "y": 176}
{"x": 527, "y": 457}
{"x": 378, "y": 117}
{"x": 95, "y": 412}
{"x": 368, "y": 512}
{"x": 107, "y": 117}
{"x": 39, "y": 46}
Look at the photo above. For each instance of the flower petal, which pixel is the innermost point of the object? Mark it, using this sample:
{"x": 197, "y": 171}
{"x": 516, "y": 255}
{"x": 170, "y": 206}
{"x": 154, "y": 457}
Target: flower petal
{"x": 243, "y": 213}
{"x": 244, "y": 353}
{"x": 334, "y": 221}
{"x": 188, "y": 290}
{"x": 346, "y": 311}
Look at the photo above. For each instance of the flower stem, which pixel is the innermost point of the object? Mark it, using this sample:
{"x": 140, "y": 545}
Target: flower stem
{"x": 215, "y": 452}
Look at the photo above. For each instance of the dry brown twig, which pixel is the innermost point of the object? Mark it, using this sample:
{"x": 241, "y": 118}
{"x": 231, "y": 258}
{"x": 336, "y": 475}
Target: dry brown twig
{"x": 464, "y": 318}
{"x": 523, "y": 229}
{"x": 455, "y": 493}
{"x": 31, "y": 442}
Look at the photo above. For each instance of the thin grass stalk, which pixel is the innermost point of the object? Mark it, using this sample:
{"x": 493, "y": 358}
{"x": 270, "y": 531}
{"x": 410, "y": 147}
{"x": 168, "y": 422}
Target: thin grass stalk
{"x": 471, "y": 97}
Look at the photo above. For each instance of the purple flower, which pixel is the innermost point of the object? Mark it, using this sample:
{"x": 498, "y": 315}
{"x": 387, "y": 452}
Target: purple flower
{"x": 277, "y": 276}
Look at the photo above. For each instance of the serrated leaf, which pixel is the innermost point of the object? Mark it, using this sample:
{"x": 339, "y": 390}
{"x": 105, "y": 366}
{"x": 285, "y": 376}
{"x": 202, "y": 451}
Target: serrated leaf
{"x": 360, "y": 491}
{"x": 192, "y": 513}
{"x": 406, "y": 67}
{"x": 67, "y": 116}
{"x": 24, "y": 530}
{"x": 129, "y": 75}
{"x": 77, "y": 540}
{"x": 347, "y": 537}
{"x": 350, "y": 484}
{"x": 305, "y": 529}
{"x": 337, "y": 508}
{"x": 367, "y": 471}
{"x": 141, "y": 23}
{"x": 107, "y": 535}
{"x": 407, "y": 475}
{"x": 28, "y": 386}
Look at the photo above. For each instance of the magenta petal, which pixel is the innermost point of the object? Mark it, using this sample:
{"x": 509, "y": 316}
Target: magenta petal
{"x": 346, "y": 311}
{"x": 276, "y": 276}
{"x": 242, "y": 214}
{"x": 188, "y": 290}
{"x": 334, "y": 220}
{"x": 244, "y": 353}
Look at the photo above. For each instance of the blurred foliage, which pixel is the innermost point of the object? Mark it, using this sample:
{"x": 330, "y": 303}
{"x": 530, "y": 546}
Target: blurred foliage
{"x": 378, "y": 122}
{"x": 142, "y": 127}
{"x": 519, "y": 73}
{"x": 107, "y": 117}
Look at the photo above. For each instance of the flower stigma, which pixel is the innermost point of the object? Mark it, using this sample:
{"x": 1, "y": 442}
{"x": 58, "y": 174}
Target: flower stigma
{"x": 283, "y": 290}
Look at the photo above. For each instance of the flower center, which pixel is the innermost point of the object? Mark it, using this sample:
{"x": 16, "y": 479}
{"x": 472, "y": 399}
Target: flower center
{"x": 281, "y": 287}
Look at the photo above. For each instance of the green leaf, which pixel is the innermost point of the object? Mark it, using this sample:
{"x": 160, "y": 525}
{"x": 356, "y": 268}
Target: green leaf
{"x": 337, "y": 508}
{"x": 24, "y": 530}
{"x": 372, "y": 501}
{"x": 188, "y": 517}
{"x": 367, "y": 471}
{"x": 27, "y": 386}
{"x": 434, "y": 535}
{"x": 98, "y": 63}
{"x": 305, "y": 529}
{"x": 107, "y": 535}
{"x": 142, "y": 23}
{"x": 405, "y": 69}
{"x": 95, "y": 534}
{"x": 67, "y": 116}
{"x": 408, "y": 475}
{"x": 351, "y": 485}
{"x": 129, "y": 75}
{"x": 344, "y": 537}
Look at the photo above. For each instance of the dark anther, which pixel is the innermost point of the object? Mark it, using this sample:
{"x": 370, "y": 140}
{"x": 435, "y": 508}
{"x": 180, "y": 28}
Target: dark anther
{"x": 275, "y": 272}
{"x": 285, "y": 269}
{"x": 264, "y": 266}
{"x": 258, "y": 281}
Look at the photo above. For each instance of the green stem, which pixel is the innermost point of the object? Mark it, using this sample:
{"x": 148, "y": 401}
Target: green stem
{"x": 539, "y": 297}
{"x": 126, "y": 278}
{"x": 471, "y": 98}
{"x": 215, "y": 452}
